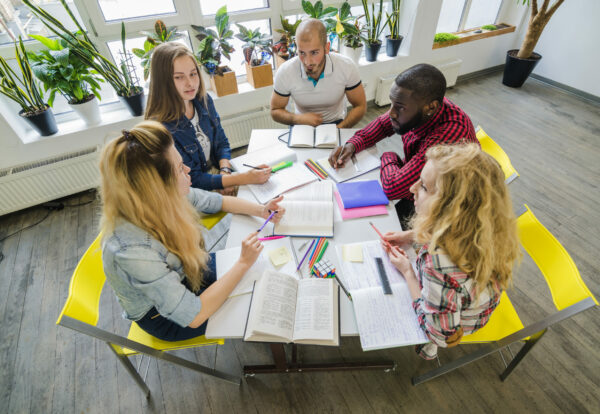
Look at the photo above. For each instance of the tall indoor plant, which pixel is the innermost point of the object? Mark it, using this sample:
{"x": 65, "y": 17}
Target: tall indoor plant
{"x": 118, "y": 77}
{"x": 393, "y": 40}
{"x": 374, "y": 29}
{"x": 61, "y": 71}
{"x": 520, "y": 63}
{"x": 27, "y": 93}
{"x": 257, "y": 52}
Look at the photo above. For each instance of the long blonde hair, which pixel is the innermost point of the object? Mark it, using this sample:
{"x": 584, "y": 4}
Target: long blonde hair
{"x": 164, "y": 103}
{"x": 139, "y": 184}
{"x": 470, "y": 215}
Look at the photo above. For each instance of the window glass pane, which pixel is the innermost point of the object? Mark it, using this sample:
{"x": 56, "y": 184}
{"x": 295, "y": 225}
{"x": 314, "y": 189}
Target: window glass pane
{"x": 17, "y": 19}
{"x": 128, "y": 9}
{"x": 450, "y": 16}
{"x": 211, "y": 6}
{"x": 116, "y": 51}
{"x": 482, "y": 12}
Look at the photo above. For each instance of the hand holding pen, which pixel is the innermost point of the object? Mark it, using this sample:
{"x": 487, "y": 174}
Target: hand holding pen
{"x": 272, "y": 210}
{"x": 340, "y": 155}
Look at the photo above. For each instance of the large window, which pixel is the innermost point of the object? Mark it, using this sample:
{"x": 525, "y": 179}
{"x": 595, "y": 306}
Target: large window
{"x": 211, "y": 6}
{"x": 128, "y": 9}
{"x": 458, "y": 15}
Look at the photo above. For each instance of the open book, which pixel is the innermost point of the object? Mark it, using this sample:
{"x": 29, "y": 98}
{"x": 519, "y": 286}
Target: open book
{"x": 384, "y": 321}
{"x": 362, "y": 163}
{"x": 283, "y": 180}
{"x": 271, "y": 156}
{"x": 308, "y": 211}
{"x": 322, "y": 136}
{"x": 285, "y": 309}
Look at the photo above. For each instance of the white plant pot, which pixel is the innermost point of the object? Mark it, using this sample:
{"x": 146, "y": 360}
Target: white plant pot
{"x": 88, "y": 111}
{"x": 353, "y": 54}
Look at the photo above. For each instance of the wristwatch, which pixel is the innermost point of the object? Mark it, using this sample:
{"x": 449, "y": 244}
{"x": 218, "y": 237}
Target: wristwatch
{"x": 226, "y": 169}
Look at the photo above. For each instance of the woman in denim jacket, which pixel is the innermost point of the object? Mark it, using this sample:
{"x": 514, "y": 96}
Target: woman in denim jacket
{"x": 152, "y": 247}
{"x": 178, "y": 99}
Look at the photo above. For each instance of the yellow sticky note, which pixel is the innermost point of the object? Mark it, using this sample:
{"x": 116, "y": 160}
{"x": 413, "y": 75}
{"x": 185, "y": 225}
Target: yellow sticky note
{"x": 353, "y": 253}
{"x": 279, "y": 256}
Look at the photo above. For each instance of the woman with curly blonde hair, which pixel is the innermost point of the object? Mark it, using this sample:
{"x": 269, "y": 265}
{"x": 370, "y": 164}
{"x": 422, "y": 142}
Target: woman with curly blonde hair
{"x": 466, "y": 225}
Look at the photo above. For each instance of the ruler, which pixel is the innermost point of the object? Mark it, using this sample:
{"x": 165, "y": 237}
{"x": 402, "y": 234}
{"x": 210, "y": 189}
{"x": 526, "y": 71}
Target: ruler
{"x": 385, "y": 282}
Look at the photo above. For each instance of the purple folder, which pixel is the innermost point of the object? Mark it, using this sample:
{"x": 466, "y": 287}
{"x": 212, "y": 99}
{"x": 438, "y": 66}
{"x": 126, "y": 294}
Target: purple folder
{"x": 362, "y": 194}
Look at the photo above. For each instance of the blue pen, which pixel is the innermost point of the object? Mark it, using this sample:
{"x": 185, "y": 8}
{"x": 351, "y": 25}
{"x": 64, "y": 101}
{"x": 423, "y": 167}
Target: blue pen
{"x": 267, "y": 220}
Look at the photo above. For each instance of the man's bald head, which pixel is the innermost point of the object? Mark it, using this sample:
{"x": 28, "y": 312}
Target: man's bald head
{"x": 311, "y": 28}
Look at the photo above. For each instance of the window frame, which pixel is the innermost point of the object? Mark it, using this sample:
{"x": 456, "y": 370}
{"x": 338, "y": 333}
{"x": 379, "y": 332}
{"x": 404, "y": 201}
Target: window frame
{"x": 465, "y": 15}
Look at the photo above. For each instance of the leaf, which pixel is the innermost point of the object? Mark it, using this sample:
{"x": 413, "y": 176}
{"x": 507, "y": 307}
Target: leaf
{"x": 138, "y": 52}
{"x": 161, "y": 29}
{"x": 308, "y": 7}
{"x": 51, "y": 44}
{"x": 345, "y": 11}
{"x": 62, "y": 56}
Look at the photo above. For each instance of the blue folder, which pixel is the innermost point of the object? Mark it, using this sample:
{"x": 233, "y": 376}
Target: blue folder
{"x": 362, "y": 194}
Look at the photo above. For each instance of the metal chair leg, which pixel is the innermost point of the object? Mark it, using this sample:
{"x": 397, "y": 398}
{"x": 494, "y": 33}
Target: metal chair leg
{"x": 530, "y": 343}
{"x": 131, "y": 369}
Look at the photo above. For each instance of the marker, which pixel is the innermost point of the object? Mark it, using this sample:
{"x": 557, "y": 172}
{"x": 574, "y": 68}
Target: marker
{"x": 266, "y": 221}
{"x": 270, "y": 238}
{"x": 281, "y": 166}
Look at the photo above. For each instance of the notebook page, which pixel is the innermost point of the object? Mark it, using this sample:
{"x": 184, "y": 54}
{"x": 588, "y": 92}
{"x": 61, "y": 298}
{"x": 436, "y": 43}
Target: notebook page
{"x": 366, "y": 160}
{"x": 302, "y": 136}
{"x": 271, "y": 156}
{"x": 282, "y": 181}
{"x": 326, "y": 135}
{"x": 317, "y": 191}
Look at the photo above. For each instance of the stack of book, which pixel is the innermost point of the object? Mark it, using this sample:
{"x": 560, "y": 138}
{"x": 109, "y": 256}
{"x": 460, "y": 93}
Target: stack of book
{"x": 361, "y": 199}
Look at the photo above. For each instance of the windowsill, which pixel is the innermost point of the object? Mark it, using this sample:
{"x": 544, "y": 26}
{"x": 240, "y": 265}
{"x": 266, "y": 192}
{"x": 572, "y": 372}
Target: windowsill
{"x": 470, "y": 35}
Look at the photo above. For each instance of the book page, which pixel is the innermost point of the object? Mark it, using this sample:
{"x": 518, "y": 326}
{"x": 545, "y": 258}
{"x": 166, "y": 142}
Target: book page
{"x": 271, "y": 156}
{"x": 282, "y": 181}
{"x": 273, "y": 306}
{"x": 386, "y": 321}
{"x": 326, "y": 136}
{"x": 317, "y": 191}
{"x": 302, "y": 136}
{"x": 314, "y": 310}
{"x": 366, "y": 161}
{"x": 306, "y": 218}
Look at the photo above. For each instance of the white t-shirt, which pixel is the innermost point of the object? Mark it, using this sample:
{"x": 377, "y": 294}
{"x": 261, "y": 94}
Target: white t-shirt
{"x": 201, "y": 137}
{"x": 327, "y": 97}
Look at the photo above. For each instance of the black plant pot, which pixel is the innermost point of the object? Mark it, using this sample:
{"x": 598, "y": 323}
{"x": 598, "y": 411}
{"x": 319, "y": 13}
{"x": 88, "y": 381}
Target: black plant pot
{"x": 135, "y": 103}
{"x": 392, "y": 45}
{"x": 517, "y": 70}
{"x": 43, "y": 122}
{"x": 371, "y": 51}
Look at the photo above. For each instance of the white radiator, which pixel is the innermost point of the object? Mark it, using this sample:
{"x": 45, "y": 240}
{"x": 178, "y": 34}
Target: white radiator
{"x": 35, "y": 183}
{"x": 238, "y": 127}
{"x": 449, "y": 68}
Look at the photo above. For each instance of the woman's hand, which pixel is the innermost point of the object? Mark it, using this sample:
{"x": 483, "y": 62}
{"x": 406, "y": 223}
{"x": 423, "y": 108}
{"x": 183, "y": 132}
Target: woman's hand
{"x": 228, "y": 191}
{"x": 399, "y": 258}
{"x": 261, "y": 176}
{"x": 251, "y": 248}
{"x": 271, "y": 206}
{"x": 399, "y": 238}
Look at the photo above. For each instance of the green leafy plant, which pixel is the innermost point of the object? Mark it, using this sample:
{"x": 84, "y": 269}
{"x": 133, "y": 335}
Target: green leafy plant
{"x": 286, "y": 46}
{"x": 257, "y": 46}
{"x": 444, "y": 37}
{"x": 83, "y": 48}
{"x": 394, "y": 19}
{"x": 374, "y": 22}
{"x": 353, "y": 35}
{"x": 22, "y": 89}
{"x": 489, "y": 27}
{"x": 325, "y": 14}
{"x": 161, "y": 34}
{"x": 344, "y": 21}
{"x": 214, "y": 44}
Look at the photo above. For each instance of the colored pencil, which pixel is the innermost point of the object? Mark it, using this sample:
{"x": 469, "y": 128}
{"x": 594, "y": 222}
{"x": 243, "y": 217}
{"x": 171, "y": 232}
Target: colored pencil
{"x": 380, "y": 235}
{"x": 314, "y": 170}
{"x": 305, "y": 254}
{"x": 317, "y": 166}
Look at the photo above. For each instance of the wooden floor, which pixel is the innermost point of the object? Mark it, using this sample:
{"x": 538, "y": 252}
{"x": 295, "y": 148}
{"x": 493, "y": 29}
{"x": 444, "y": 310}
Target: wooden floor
{"x": 553, "y": 141}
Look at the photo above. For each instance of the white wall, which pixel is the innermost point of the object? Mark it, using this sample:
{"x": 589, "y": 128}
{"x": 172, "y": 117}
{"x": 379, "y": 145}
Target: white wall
{"x": 569, "y": 46}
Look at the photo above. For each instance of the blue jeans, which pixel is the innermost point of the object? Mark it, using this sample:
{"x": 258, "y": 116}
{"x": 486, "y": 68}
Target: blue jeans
{"x": 162, "y": 328}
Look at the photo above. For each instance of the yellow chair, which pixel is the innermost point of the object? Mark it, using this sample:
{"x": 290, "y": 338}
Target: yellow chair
{"x": 489, "y": 146}
{"x": 82, "y": 311}
{"x": 210, "y": 220}
{"x": 569, "y": 293}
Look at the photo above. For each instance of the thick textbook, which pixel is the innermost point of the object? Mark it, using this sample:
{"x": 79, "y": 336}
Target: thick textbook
{"x": 285, "y": 309}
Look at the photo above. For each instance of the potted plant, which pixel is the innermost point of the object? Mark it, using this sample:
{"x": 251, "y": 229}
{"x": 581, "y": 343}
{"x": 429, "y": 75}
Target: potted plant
{"x": 444, "y": 37}
{"x": 285, "y": 48}
{"x": 257, "y": 51}
{"x": 393, "y": 40}
{"x": 61, "y": 71}
{"x": 24, "y": 91}
{"x": 520, "y": 63}
{"x": 325, "y": 14}
{"x": 213, "y": 45}
{"x": 352, "y": 40}
{"x": 374, "y": 30}
{"x": 82, "y": 47}
{"x": 162, "y": 34}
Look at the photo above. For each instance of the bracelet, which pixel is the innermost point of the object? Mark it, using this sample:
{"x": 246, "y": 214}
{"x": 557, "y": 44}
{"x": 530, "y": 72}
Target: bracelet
{"x": 226, "y": 169}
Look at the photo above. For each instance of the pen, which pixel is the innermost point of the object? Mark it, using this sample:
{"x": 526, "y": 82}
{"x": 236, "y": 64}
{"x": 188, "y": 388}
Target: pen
{"x": 355, "y": 162}
{"x": 267, "y": 220}
{"x": 380, "y": 235}
{"x": 306, "y": 254}
{"x": 281, "y": 166}
{"x": 342, "y": 286}
{"x": 303, "y": 246}
{"x": 270, "y": 238}
{"x": 251, "y": 166}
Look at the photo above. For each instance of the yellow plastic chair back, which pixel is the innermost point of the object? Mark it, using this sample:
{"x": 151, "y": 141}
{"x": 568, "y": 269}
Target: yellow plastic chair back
{"x": 489, "y": 146}
{"x": 562, "y": 276}
{"x": 210, "y": 220}
{"x": 137, "y": 334}
{"x": 503, "y": 322}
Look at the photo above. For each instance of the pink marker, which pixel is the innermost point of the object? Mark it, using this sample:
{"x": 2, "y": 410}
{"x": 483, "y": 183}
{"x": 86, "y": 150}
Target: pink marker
{"x": 270, "y": 238}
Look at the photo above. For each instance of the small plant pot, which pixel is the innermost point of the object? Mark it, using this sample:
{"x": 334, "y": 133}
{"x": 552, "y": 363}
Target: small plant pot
{"x": 392, "y": 45}
{"x": 259, "y": 76}
{"x": 352, "y": 53}
{"x": 517, "y": 70}
{"x": 88, "y": 111}
{"x": 371, "y": 51}
{"x": 135, "y": 103}
{"x": 224, "y": 85}
{"x": 43, "y": 121}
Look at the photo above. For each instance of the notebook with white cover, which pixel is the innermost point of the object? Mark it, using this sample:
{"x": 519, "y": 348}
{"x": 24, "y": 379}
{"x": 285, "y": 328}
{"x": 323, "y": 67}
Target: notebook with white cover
{"x": 270, "y": 156}
{"x": 366, "y": 161}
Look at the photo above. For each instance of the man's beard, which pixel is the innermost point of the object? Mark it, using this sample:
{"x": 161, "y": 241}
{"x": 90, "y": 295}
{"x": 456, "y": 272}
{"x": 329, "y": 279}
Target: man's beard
{"x": 414, "y": 122}
{"x": 317, "y": 70}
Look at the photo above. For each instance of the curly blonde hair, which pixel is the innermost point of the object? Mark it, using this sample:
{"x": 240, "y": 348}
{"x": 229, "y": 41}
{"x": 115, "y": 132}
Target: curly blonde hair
{"x": 470, "y": 215}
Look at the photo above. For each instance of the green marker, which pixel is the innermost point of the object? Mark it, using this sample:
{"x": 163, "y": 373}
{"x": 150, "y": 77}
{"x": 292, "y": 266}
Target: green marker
{"x": 281, "y": 166}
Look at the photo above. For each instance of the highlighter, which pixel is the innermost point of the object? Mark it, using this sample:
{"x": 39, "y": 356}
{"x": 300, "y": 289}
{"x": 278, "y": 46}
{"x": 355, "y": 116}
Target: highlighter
{"x": 281, "y": 166}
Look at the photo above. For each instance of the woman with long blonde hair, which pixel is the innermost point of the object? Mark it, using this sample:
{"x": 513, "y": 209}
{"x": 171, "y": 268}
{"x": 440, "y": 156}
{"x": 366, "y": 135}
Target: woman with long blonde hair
{"x": 466, "y": 225}
{"x": 152, "y": 247}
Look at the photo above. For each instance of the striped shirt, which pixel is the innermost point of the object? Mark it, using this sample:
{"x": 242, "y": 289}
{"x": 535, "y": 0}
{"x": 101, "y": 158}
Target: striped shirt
{"x": 449, "y": 125}
{"x": 448, "y": 300}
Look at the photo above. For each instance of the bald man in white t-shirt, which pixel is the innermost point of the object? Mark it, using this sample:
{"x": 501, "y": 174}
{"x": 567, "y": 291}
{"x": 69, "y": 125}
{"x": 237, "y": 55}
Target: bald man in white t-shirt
{"x": 317, "y": 81}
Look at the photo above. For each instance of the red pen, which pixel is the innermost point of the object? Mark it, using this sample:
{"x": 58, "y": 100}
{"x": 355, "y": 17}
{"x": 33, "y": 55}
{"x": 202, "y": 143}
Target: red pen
{"x": 380, "y": 235}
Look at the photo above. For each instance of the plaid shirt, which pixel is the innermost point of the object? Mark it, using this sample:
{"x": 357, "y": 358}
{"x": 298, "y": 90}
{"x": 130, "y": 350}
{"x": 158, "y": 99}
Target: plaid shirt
{"x": 447, "y": 300}
{"x": 449, "y": 125}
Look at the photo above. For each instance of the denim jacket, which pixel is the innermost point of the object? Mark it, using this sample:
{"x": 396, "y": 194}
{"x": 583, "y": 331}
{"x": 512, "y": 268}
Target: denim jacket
{"x": 188, "y": 146}
{"x": 144, "y": 274}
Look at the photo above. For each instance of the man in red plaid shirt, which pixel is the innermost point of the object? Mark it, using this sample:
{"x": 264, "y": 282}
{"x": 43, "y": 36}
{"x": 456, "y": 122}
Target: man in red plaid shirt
{"x": 424, "y": 118}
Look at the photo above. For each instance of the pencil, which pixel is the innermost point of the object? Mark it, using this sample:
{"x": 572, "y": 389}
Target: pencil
{"x": 313, "y": 170}
{"x": 380, "y": 235}
{"x": 317, "y": 166}
{"x": 251, "y": 166}
{"x": 342, "y": 286}
{"x": 305, "y": 254}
